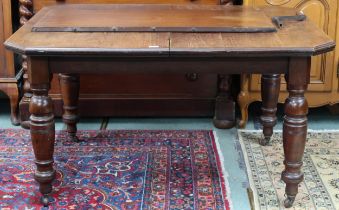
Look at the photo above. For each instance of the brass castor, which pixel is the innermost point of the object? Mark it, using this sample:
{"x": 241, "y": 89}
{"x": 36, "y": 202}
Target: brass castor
{"x": 45, "y": 200}
{"x": 264, "y": 141}
{"x": 289, "y": 201}
{"x": 73, "y": 137}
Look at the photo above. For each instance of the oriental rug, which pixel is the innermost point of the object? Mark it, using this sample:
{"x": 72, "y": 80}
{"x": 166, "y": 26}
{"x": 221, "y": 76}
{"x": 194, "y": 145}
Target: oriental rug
{"x": 320, "y": 188}
{"x": 118, "y": 169}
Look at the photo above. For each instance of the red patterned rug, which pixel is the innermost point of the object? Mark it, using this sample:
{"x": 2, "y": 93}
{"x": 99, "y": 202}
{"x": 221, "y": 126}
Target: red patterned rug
{"x": 118, "y": 169}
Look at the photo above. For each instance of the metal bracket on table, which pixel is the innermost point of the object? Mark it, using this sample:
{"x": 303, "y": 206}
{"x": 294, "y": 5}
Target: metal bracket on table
{"x": 278, "y": 20}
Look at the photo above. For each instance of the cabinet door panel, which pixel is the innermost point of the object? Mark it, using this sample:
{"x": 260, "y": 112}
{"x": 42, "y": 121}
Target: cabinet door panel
{"x": 6, "y": 57}
{"x": 2, "y": 39}
{"x": 38, "y": 4}
{"x": 323, "y": 14}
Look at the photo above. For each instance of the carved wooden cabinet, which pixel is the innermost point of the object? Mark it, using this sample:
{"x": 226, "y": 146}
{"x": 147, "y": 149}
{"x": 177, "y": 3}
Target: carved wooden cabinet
{"x": 135, "y": 94}
{"x": 8, "y": 76}
{"x": 323, "y": 88}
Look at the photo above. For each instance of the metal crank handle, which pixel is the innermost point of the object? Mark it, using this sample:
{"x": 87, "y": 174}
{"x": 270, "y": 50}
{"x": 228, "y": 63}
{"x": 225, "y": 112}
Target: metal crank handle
{"x": 278, "y": 20}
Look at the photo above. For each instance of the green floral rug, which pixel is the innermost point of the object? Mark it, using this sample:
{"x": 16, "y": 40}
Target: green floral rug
{"x": 264, "y": 164}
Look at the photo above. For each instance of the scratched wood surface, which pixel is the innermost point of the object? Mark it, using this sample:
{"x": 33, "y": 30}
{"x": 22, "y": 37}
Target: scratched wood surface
{"x": 286, "y": 41}
{"x": 143, "y": 18}
{"x": 28, "y": 42}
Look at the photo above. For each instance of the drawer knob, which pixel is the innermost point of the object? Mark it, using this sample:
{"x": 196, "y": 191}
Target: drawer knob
{"x": 192, "y": 77}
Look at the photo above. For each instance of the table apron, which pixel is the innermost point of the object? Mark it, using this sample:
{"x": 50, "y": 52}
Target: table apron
{"x": 229, "y": 65}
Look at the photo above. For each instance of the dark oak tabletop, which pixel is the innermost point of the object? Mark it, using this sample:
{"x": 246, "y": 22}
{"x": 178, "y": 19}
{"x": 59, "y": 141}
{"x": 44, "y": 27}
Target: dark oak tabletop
{"x": 158, "y": 18}
{"x": 295, "y": 38}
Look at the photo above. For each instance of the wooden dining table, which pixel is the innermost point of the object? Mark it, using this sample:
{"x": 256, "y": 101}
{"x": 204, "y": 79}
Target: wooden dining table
{"x": 74, "y": 40}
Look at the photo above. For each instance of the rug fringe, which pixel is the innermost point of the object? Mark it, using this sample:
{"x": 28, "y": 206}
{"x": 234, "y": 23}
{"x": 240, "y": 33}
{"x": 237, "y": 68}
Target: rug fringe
{"x": 224, "y": 172}
{"x": 279, "y": 131}
{"x": 254, "y": 203}
{"x": 250, "y": 197}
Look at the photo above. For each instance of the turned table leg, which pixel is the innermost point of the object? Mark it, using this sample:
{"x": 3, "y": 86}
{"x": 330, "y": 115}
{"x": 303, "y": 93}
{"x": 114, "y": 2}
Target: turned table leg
{"x": 295, "y": 126}
{"x": 270, "y": 86}
{"x": 69, "y": 85}
{"x": 42, "y": 126}
{"x": 224, "y": 104}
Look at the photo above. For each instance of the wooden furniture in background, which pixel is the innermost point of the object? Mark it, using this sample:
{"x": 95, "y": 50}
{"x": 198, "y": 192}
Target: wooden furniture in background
{"x": 8, "y": 77}
{"x": 324, "y": 85}
{"x": 175, "y": 94}
{"x": 72, "y": 54}
{"x": 25, "y": 13}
